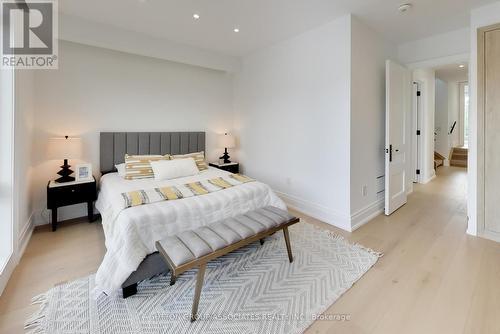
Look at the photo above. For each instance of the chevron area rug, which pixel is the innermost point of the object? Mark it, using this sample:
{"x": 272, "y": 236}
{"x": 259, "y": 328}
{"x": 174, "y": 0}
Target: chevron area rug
{"x": 252, "y": 290}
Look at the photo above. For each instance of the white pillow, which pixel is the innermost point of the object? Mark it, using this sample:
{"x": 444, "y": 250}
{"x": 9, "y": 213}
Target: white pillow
{"x": 172, "y": 169}
{"x": 121, "y": 169}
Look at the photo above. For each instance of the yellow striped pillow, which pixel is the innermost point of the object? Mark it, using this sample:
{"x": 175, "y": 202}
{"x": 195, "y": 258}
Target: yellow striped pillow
{"x": 199, "y": 158}
{"x": 139, "y": 166}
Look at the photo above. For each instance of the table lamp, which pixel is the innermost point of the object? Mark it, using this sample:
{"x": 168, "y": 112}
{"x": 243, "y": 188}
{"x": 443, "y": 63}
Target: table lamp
{"x": 226, "y": 141}
{"x": 64, "y": 148}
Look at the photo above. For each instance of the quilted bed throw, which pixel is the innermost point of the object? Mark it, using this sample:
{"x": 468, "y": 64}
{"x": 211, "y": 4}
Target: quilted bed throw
{"x": 147, "y": 196}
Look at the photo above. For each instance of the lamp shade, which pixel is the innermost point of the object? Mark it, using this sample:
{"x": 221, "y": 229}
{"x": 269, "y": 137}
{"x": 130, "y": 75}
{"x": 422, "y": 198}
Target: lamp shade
{"x": 227, "y": 141}
{"x": 64, "y": 148}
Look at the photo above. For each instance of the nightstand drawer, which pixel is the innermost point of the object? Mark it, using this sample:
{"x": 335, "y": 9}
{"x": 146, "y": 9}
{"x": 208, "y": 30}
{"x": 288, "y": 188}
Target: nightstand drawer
{"x": 72, "y": 194}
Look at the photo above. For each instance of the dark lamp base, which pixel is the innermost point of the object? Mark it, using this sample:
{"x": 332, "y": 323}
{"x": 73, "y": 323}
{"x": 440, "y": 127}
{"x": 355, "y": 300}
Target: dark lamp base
{"x": 65, "y": 173}
{"x": 226, "y": 157}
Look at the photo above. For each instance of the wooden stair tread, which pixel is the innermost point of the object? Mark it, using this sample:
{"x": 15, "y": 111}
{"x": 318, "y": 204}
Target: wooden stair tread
{"x": 459, "y": 157}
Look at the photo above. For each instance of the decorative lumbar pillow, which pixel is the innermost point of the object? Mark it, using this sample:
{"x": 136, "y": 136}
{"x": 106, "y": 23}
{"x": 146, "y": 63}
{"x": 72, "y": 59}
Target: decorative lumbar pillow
{"x": 120, "y": 168}
{"x": 139, "y": 166}
{"x": 172, "y": 169}
{"x": 199, "y": 158}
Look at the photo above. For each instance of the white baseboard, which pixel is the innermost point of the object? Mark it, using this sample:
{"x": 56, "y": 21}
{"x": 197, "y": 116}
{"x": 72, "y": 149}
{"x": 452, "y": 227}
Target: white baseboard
{"x": 25, "y": 236}
{"x": 316, "y": 211}
{"x": 23, "y": 240}
{"x": 366, "y": 214}
{"x": 332, "y": 217}
{"x": 7, "y": 272}
{"x": 490, "y": 235}
{"x": 471, "y": 231}
{"x": 428, "y": 179}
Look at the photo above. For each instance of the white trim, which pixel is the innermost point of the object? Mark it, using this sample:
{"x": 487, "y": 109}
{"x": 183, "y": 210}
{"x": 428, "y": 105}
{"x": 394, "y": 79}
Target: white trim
{"x": 435, "y": 62}
{"x": 24, "y": 239}
{"x": 10, "y": 263}
{"x": 429, "y": 179}
{"x": 471, "y": 231}
{"x": 316, "y": 211}
{"x": 7, "y": 272}
{"x": 490, "y": 235}
{"x": 366, "y": 214}
{"x": 25, "y": 236}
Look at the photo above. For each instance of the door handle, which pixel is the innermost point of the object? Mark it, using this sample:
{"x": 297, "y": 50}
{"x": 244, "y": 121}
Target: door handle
{"x": 389, "y": 150}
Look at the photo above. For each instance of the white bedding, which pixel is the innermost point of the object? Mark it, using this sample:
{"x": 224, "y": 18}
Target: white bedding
{"x": 131, "y": 233}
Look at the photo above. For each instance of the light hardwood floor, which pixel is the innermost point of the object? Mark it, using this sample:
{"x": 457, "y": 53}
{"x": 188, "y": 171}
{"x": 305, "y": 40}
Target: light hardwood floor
{"x": 433, "y": 277}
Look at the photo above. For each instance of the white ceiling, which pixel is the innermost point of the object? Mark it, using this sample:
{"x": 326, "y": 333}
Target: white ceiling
{"x": 453, "y": 73}
{"x": 264, "y": 22}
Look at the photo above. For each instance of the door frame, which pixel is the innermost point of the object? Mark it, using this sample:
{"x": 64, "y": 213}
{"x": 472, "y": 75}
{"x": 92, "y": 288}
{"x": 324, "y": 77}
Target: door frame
{"x": 402, "y": 156}
{"x": 480, "y": 134}
{"x": 416, "y": 140}
{"x": 461, "y": 112}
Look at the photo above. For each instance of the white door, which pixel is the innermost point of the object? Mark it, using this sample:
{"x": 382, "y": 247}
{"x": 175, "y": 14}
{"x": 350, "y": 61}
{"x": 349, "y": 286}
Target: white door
{"x": 398, "y": 103}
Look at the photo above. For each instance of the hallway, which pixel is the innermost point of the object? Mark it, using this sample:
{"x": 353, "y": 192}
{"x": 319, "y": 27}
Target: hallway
{"x": 433, "y": 278}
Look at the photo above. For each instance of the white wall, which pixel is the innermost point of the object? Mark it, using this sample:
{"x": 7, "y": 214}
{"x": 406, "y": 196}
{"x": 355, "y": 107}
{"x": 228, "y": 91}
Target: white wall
{"x": 427, "y": 80}
{"x": 480, "y": 17}
{"x": 321, "y": 97}
{"x": 292, "y": 107}
{"x": 97, "y": 89}
{"x": 367, "y": 163}
{"x": 446, "y": 46}
{"x": 441, "y": 118}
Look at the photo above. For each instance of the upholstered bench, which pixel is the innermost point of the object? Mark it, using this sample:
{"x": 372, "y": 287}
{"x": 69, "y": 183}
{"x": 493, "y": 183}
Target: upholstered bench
{"x": 195, "y": 248}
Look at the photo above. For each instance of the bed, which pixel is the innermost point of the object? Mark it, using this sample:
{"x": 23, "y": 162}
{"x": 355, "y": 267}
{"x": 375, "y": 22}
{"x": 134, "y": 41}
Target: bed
{"x": 131, "y": 233}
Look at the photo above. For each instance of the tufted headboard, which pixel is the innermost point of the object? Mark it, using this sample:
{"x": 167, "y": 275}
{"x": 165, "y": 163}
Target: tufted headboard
{"x": 114, "y": 145}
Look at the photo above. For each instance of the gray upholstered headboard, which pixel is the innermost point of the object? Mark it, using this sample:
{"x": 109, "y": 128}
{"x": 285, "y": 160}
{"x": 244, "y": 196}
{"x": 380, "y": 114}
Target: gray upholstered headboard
{"x": 114, "y": 145}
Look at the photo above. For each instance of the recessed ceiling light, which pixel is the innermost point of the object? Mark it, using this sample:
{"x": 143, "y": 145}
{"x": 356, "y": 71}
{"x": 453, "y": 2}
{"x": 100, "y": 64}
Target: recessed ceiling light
{"x": 405, "y": 7}
{"x": 196, "y": 16}
{"x": 236, "y": 30}
{"x": 461, "y": 65}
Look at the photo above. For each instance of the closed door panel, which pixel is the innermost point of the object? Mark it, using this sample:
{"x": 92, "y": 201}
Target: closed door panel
{"x": 398, "y": 90}
{"x": 492, "y": 129}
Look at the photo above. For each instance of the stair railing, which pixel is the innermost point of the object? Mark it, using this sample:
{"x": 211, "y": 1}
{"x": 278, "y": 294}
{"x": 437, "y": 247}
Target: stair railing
{"x": 453, "y": 127}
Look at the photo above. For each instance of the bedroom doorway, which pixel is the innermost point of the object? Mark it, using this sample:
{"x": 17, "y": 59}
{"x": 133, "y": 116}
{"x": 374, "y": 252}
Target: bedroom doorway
{"x": 440, "y": 117}
{"x": 426, "y": 126}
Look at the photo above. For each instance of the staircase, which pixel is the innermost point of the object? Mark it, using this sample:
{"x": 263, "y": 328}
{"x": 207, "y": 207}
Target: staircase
{"x": 438, "y": 160}
{"x": 459, "y": 157}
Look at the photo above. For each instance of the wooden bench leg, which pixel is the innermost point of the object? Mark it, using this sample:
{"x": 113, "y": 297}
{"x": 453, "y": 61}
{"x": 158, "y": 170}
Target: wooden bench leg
{"x": 172, "y": 277}
{"x": 287, "y": 242}
{"x": 197, "y": 291}
{"x": 129, "y": 290}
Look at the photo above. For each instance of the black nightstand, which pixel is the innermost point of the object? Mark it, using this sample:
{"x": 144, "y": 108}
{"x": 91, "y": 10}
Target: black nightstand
{"x": 62, "y": 194}
{"x": 232, "y": 167}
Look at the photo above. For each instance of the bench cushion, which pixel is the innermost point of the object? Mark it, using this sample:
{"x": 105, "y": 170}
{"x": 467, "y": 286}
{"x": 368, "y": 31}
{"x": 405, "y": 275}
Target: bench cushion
{"x": 190, "y": 245}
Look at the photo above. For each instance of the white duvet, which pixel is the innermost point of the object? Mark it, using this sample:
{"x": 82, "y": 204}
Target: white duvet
{"x": 131, "y": 233}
